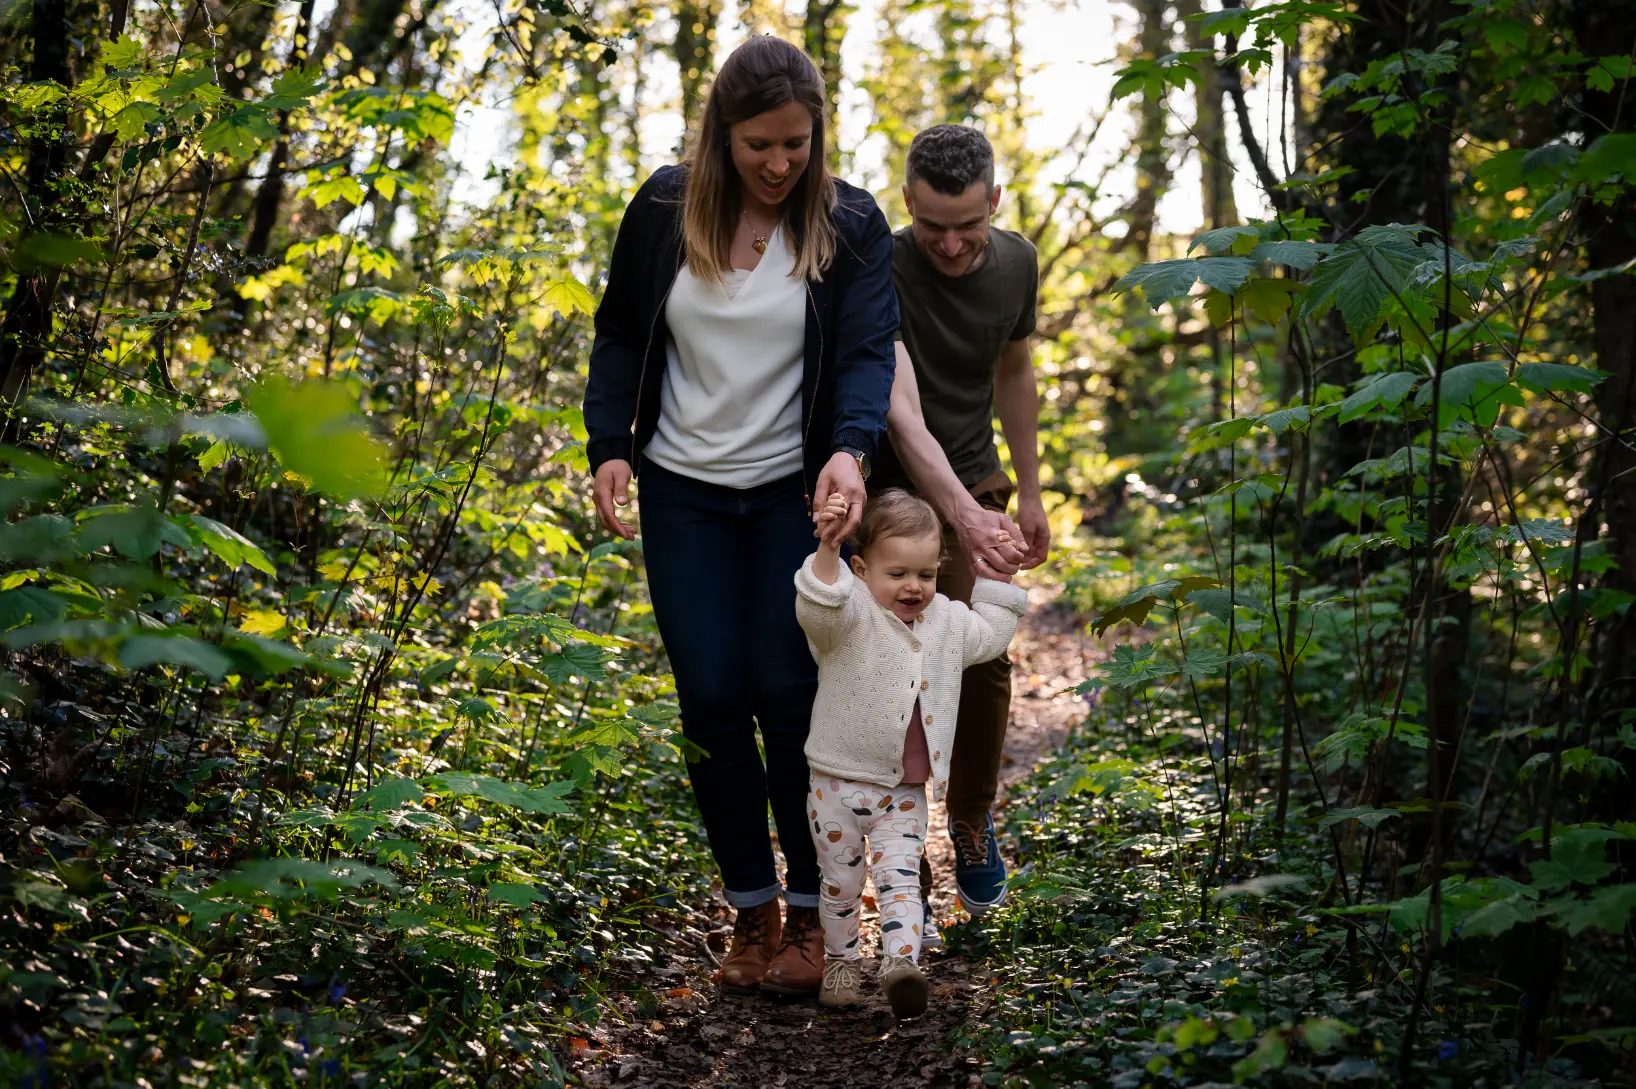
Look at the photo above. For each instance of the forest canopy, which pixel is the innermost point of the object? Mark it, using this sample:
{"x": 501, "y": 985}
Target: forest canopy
{"x": 336, "y": 737}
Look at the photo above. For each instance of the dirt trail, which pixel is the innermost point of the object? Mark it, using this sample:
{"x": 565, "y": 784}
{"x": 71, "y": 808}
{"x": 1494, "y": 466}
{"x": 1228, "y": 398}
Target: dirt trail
{"x": 700, "y": 1037}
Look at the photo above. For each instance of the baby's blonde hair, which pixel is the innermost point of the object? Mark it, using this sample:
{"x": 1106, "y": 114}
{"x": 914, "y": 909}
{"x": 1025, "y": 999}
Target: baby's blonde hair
{"x": 895, "y": 513}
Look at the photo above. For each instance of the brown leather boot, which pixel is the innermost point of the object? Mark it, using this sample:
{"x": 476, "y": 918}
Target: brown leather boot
{"x": 755, "y": 939}
{"x": 798, "y": 968}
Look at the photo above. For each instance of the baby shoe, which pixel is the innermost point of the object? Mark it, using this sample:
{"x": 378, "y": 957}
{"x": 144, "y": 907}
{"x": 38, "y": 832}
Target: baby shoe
{"x": 931, "y": 937}
{"x": 905, "y": 986}
{"x": 840, "y": 986}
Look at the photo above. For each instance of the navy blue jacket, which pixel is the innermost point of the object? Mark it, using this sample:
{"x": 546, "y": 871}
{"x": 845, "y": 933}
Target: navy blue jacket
{"x": 852, "y": 316}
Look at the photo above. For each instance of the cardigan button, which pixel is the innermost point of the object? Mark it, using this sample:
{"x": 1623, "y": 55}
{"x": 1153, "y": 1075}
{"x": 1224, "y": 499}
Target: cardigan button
{"x": 928, "y": 720}
{"x": 924, "y": 685}
{"x": 915, "y": 647}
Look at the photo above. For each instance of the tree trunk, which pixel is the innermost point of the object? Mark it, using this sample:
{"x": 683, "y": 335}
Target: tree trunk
{"x": 1610, "y": 233}
{"x": 695, "y": 52}
{"x": 1152, "y": 135}
{"x": 27, "y": 324}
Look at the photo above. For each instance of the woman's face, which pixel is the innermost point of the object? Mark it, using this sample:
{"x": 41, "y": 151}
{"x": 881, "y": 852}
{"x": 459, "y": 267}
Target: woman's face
{"x": 770, "y": 152}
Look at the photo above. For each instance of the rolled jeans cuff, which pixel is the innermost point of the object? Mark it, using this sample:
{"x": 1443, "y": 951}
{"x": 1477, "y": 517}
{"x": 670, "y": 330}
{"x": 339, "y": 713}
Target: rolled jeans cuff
{"x": 801, "y": 899}
{"x": 756, "y": 898}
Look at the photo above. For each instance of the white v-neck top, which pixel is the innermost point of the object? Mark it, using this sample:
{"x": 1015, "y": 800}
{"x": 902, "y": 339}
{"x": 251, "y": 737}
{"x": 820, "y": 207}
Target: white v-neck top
{"x": 730, "y": 409}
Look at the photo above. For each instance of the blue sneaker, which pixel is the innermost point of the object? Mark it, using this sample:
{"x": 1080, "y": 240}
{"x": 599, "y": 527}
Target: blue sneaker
{"x": 979, "y": 871}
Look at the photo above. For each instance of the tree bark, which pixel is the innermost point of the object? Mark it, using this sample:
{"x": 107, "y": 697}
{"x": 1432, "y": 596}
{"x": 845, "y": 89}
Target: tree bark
{"x": 26, "y": 327}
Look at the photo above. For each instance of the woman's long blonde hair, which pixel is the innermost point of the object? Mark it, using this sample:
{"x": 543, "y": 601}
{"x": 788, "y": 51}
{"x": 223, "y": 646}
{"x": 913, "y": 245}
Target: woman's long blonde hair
{"x": 763, "y": 74}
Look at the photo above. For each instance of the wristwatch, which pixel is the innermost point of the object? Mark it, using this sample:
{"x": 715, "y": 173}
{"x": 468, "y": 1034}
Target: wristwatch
{"x": 859, "y": 456}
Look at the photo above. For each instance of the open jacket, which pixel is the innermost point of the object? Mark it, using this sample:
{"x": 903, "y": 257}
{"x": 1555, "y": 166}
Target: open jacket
{"x": 848, "y": 362}
{"x": 872, "y": 667}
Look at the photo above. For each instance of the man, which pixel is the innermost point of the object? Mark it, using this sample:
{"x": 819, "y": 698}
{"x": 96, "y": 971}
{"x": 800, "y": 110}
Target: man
{"x": 967, "y": 293}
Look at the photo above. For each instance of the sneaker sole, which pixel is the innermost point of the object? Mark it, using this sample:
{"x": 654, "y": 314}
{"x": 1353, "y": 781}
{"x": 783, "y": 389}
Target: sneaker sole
{"x": 974, "y": 908}
{"x": 907, "y": 996}
{"x": 782, "y": 991}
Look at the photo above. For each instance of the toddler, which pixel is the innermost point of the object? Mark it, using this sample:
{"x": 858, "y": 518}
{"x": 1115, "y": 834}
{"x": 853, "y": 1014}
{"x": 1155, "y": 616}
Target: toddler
{"x": 890, "y": 653}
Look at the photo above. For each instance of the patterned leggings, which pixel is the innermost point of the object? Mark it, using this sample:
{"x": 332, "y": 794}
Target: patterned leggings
{"x": 893, "y": 820}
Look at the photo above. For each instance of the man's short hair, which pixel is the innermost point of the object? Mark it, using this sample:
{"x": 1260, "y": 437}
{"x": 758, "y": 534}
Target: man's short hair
{"x": 951, "y": 159}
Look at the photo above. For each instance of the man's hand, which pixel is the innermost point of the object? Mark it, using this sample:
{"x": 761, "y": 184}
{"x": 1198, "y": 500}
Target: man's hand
{"x": 989, "y": 539}
{"x": 613, "y": 489}
{"x": 1036, "y": 528}
{"x": 840, "y": 475}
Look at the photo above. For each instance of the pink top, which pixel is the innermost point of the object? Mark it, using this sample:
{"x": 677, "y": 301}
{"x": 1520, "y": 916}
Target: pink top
{"x": 917, "y": 763}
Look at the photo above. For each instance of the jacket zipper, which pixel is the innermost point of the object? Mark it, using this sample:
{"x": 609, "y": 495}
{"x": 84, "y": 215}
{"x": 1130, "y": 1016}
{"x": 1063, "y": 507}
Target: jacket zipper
{"x": 642, "y": 375}
{"x": 806, "y": 430}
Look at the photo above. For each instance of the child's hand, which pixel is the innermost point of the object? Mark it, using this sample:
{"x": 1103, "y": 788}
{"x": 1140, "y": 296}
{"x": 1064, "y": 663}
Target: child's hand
{"x": 831, "y": 517}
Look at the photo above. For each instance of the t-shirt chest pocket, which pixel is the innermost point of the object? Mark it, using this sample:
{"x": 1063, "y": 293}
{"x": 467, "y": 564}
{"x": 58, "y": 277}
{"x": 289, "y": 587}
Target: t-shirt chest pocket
{"x": 996, "y": 333}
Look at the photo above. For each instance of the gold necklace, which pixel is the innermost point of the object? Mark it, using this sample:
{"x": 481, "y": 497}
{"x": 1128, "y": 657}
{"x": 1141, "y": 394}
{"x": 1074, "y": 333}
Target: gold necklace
{"x": 760, "y": 243}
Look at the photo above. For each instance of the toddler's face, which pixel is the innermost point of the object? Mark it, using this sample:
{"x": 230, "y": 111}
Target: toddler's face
{"x": 901, "y": 573}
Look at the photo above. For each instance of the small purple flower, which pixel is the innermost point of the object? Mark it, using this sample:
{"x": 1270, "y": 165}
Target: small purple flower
{"x": 337, "y": 991}
{"x": 1446, "y": 1050}
{"x": 329, "y": 1068}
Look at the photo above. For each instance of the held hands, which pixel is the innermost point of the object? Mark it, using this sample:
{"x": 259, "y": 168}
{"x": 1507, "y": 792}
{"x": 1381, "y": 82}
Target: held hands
{"x": 831, "y": 516}
{"x": 990, "y": 540}
{"x": 839, "y": 475}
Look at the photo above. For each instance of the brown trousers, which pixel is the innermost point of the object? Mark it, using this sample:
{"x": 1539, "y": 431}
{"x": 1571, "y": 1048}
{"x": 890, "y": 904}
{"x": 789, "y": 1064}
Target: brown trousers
{"x": 985, "y": 690}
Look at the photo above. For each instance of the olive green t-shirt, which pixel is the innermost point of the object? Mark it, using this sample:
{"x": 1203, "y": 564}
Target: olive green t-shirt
{"x": 954, "y": 329}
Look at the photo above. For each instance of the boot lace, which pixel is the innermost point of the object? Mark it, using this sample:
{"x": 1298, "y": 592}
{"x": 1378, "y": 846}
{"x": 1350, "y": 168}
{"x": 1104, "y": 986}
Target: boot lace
{"x": 749, "y": 928}
{"x": 971, "y": 841}
{"x": 798, "y": 924}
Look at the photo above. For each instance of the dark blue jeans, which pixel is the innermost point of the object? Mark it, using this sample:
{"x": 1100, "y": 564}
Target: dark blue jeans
{"x": 721, "y": 568}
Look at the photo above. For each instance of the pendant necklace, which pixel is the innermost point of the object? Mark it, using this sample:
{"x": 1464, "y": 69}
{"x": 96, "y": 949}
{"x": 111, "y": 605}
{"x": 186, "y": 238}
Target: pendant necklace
{"x": 760, "y": 240}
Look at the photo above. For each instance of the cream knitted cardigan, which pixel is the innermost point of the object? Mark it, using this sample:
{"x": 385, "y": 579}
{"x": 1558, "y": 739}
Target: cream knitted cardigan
{"x": 872, "y": 667}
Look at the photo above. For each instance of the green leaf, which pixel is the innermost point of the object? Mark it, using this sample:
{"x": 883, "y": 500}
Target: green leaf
{"x": 1203, "y": 662}
{"x": 314, "y": 430}
{"x": 1556, "y": 377}
{"x": 518, "y": 896}
{"x": 1466, "y": 390}
{"x": 1221, "y": 239}
{"x": 1368, "y": 816}
{"x": 1218, "y": 603}
{"x": 140, "y": 651}
{"x": 1576, "y": 859}
{"x": 1608, "y": 909}
{"x": 389, "y": 792}
{"x": 396, "y": 850}
{"x": 230, "y": 546}
{"x": 293, "y": 87}
{"x": 1610, "y": 155}
{"x": 135, "y": 532}
{"x": 56, "y": 251}
{"x": 1544, "y": 531}
{"x": 296, "y": 878}
{"x": 1164, "y": 280}
{"x": 1359, "y": 275}
{"x": 546, "y": 800}
{"x": 1323, "y": 1034}
{"x": 1260, "y": 886}
{"x": 1495, "y": 918}
{"x": 240, "y": 134}
{"x": 1269, "y": 299}
{"x": 27, "y": 603}
{"x": 567, "y": 297}
{"x": 1270, "y": 1054}
{"x": 1297, "y": 255}
{"x": 1386, "y": 389}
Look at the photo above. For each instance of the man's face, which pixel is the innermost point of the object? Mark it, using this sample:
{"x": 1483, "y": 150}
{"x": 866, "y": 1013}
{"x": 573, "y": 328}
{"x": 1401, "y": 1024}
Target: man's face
{"x": 952, "y": 231}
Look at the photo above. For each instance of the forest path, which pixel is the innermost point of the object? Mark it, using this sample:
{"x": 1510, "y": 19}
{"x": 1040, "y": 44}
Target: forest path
{"x": 693, "y": 1035}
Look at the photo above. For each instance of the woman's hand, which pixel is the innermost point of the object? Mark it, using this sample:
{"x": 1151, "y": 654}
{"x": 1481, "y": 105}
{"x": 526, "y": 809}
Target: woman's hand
{"x": 840, "y": 475}
{"x": 613, "y": 489}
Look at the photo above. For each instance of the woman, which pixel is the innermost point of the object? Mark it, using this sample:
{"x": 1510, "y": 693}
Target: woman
{"x": 743, "y": 364}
